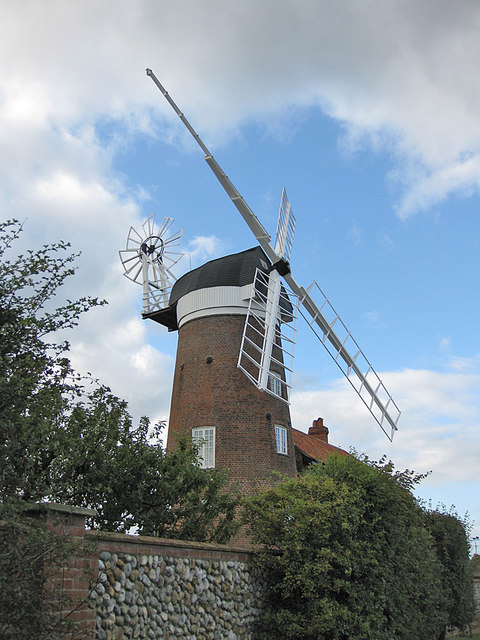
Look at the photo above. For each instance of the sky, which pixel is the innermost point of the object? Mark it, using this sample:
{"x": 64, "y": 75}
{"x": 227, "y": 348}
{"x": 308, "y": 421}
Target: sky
{"x": 367, "y": 112}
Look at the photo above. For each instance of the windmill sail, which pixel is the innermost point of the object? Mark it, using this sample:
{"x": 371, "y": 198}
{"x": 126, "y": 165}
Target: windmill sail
{"x": 364, "y": 380}
{"x": 343, "y": 348}
{"x": 266, "y": 351}
{"x": 269, "y": 367}
{"x": 285, "y": 228}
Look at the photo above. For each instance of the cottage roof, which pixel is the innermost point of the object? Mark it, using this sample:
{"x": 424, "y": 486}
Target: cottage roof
{"x": 314, "y": 447}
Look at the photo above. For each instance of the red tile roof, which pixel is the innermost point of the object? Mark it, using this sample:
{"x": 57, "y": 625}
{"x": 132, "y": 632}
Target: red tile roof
{"x": 313, "y": 447}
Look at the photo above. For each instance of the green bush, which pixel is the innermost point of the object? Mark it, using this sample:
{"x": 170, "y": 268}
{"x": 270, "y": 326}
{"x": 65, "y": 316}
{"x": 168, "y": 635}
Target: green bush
{"x": 349, "y": 556}
{"x": 452, "y": 547}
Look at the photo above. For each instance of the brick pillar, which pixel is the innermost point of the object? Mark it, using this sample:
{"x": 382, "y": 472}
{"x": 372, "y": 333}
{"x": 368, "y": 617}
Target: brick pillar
{"x": 72, "y": 581}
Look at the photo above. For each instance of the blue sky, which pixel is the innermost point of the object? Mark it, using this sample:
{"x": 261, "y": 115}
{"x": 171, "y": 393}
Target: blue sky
{"x": 366, "y": 112}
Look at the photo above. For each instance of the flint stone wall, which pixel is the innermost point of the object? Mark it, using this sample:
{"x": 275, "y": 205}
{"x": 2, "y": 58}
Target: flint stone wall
{"x": 153, "y": 588}
{"x": 476, "y": 592}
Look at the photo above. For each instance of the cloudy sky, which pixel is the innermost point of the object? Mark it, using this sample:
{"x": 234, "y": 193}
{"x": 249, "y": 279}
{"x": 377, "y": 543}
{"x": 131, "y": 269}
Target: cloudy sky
{"x": 367, "y": 112}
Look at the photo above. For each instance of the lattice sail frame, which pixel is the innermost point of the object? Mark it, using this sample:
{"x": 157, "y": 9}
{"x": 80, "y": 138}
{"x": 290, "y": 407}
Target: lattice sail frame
{"x": 148, "y": 260}
{"x": 285, "y": 228}
{"x": 272, "y": 374}
{"x": 350, "y": 359}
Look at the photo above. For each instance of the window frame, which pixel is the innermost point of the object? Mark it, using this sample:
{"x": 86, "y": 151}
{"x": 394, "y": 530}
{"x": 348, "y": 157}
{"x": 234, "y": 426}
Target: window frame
{"x": 281, "y": 439}
{"x": 275, "y": 383}
{"x": 206, "y": 458}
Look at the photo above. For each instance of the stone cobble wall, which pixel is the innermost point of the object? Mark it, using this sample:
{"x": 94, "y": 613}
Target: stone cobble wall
{"x": 189, "y": 593}
{"x": 476, "y": 591}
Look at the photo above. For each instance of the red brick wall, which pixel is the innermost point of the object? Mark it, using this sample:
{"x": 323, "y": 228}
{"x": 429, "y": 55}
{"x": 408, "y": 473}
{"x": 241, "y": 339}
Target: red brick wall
{"x": 136, "y": 545}
{"x": 71, "y": 583}
{"x": 219, "y": 394}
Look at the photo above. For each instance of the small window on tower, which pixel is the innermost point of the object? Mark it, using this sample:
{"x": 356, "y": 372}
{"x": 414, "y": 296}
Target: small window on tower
{"x": 275, "y": 384}
{"x": 204, "y": 438}
{"x": 281, "y": 439}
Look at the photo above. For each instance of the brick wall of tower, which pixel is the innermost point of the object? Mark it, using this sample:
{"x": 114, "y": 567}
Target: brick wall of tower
{"x": 216, "y": 393}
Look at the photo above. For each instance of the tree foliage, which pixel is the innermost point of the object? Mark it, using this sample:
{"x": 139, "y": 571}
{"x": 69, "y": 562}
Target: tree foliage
{"x": 348, "y": 556}
{"x": 126, "y": 475}
{"x": 452, "y": 546}
{"x": 37, "y": 384}
{"x": 70, "y": 440}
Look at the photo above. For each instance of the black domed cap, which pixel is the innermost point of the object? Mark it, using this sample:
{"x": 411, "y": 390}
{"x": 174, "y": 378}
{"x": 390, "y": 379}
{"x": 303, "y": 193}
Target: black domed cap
{"x": 235, "y": 270}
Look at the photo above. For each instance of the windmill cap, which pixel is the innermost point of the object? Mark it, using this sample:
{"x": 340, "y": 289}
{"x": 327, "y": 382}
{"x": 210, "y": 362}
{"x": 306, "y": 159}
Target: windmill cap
{"x": 235, "y": 270}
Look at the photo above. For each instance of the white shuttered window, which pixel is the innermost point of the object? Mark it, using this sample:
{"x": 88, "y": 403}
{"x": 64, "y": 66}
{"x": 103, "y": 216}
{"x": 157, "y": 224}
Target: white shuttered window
{"x": 281, "y": 439}
{"x": 275, "y": 384}
{"x": 204, "y": 437}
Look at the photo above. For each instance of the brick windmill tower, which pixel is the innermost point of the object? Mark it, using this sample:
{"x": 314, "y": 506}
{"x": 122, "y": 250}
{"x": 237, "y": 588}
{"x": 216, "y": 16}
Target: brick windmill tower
{"x": 238, "y": 426}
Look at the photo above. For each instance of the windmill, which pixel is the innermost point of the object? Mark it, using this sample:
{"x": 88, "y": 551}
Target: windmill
{"x": 148, "y": 260}
{"x": 320, "y": 316}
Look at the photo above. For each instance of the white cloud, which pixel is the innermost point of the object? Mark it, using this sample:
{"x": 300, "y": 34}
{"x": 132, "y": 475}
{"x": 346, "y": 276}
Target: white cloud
{"x": 202, "y": 248}
{"x": 438, "y": 409}
{"x": 114, "y": 348}
{"x": 465, "y": 365}
{"x": 373, "y": 318}
{"x": 445, "y": 343}
{"x": 400, "y": 76}
{"x": 356, "y": 233}
{"x": 387, "y": 242}
{"x": 433, "y": 184}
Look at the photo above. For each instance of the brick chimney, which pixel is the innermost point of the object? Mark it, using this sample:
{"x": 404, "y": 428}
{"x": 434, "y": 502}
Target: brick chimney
{"x": 318, "y": 430}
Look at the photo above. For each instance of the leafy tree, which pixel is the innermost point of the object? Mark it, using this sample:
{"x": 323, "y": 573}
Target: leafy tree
{"x": 452, "y": 547}
{"x": 348, "y": 556}
{"x": 126, "y": 475}
{"x": 68, "y": 439}
{"x": 37, "y": 384}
